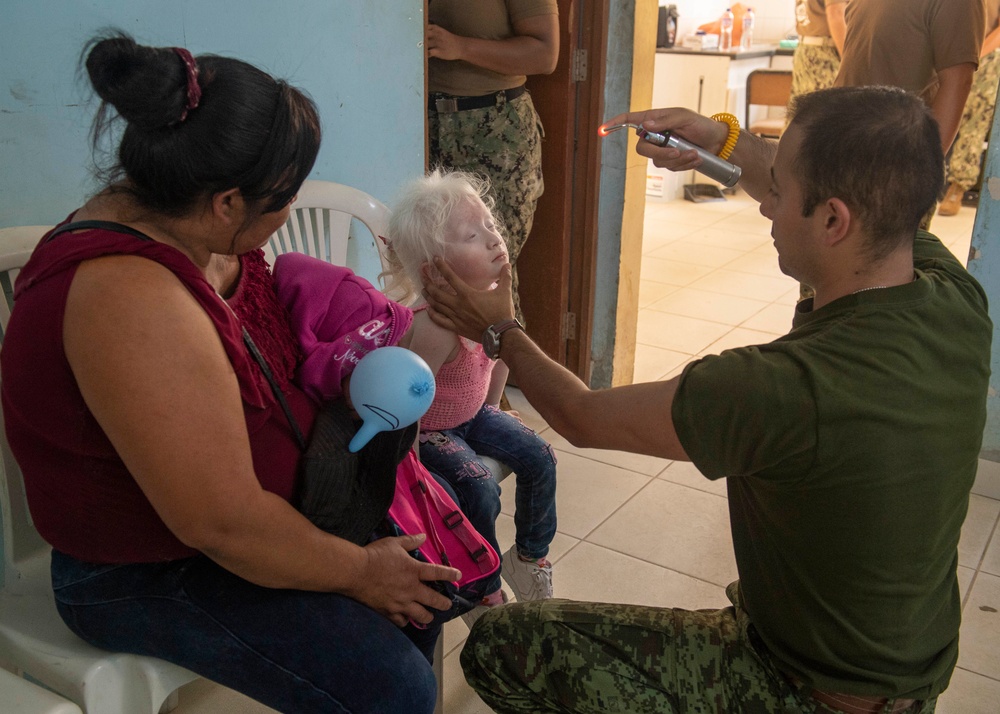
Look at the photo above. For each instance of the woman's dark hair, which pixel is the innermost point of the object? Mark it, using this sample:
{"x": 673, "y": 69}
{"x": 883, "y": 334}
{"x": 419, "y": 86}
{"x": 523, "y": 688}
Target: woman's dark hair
{"x": 249, "y": 130}
{"x": 878, "y": 149}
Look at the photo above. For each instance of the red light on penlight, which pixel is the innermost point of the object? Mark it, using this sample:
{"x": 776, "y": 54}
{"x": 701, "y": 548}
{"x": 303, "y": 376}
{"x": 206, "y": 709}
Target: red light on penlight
{"x": 602, "y": 131}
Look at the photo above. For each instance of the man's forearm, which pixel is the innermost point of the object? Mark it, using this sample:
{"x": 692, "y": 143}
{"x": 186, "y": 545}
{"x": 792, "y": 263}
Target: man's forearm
{"x": 552, "y": 390}
{"x": 635, "y": 418}
{"x": 754, "y": 155}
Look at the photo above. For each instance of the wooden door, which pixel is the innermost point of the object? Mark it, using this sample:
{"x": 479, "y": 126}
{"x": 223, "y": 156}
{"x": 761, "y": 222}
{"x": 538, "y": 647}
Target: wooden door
{"x": 556, "y": 266}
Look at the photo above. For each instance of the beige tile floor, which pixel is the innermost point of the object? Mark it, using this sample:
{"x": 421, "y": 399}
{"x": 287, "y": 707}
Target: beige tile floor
{"x": 645, "y": 530}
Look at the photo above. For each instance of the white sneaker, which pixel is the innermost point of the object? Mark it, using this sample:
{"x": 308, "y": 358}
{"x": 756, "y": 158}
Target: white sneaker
{"x": 529, "y": 580}
{"x": 478, "y": 611}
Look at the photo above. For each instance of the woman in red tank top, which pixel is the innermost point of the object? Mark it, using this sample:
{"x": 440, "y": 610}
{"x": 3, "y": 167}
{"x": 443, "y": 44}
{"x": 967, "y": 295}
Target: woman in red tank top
{"x": 154, "y": 457}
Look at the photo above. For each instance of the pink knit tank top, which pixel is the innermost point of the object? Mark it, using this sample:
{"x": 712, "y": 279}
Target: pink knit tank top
{"x": 461, "y": 387}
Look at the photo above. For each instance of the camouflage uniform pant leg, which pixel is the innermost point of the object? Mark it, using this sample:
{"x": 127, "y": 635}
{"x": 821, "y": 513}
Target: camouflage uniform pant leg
{"x": 564, "y": 656}
{"x": 813, "y": 67}
{"x": 977, "y": 120}
{"x": 504, "y": 144}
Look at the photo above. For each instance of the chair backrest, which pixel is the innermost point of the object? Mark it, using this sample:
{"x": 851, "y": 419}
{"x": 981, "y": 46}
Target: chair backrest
{"x": 25, "y": 554}
{"x": 768, "y": 88}
{"x": 321, "y": 220}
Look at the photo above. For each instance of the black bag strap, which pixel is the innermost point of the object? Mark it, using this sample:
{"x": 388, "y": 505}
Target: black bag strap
{"x": 102, "y": 225}
{"x": 259, "y": 358}
{"x": 247, "y": 340}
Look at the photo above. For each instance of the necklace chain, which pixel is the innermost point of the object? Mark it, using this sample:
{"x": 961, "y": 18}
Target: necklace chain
{"x": 879, "y": 287}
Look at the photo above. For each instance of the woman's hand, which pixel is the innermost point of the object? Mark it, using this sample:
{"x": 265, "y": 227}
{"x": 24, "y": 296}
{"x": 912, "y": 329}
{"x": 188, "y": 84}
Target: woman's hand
{"x": 393, "y": 582}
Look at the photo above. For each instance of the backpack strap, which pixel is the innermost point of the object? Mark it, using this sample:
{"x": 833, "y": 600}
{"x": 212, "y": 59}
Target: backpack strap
{"x": 429, "y": 500}
{"x": 251, "y": 347}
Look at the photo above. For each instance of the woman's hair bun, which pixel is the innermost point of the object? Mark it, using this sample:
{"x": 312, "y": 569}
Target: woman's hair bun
{"x": 146, "y": 85}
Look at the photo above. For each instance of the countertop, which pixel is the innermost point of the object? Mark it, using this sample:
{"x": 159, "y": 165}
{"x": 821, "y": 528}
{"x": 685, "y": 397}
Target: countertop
{"x": 762, "y": 50}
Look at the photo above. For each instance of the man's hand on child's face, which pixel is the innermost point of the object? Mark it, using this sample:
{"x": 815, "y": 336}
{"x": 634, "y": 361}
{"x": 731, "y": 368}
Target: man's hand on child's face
{"x": 431, "y": 275}
{"x": 463, "y": 309}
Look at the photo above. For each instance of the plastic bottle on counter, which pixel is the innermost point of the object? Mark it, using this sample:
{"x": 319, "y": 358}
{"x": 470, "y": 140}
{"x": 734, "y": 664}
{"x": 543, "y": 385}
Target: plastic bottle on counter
{"x": 726, "y": 31}
{"x": 746, "y": 39}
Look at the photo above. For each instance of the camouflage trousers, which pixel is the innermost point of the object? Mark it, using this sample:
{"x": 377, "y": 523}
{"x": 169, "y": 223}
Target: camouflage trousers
{"x": 583, "y": 658}
{"x": 814, "y": 67}
{"x": 977, "y": 120}
{"x": 504, "y": 144}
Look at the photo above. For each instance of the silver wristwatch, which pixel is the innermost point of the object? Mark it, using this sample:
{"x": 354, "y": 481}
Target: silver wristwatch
{"x": 491, "y": 336}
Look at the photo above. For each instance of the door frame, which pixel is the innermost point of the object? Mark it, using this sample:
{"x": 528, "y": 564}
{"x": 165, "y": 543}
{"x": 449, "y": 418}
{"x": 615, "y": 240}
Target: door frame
{"x": 557, "y": 266}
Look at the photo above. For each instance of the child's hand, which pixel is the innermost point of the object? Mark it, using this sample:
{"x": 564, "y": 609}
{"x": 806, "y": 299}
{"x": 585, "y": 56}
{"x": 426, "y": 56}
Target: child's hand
{"x": 514, "y": 413}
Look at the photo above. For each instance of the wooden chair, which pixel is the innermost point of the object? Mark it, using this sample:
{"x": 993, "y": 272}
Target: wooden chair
{"x": 770, "y": 88}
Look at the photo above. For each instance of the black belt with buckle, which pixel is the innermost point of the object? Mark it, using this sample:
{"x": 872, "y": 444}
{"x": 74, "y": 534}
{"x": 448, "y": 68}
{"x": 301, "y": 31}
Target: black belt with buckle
{"x": 446, "y": 103}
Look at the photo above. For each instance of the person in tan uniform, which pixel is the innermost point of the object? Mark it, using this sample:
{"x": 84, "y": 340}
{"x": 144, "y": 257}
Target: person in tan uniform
{"x": 821, "y": 28}
{"x": 963, "y": 165}
{"x": 480, "y": 118}
{"x": 927, "y": 47}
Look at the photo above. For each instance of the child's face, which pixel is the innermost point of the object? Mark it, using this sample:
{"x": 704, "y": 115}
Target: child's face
{"x": 473, "y": 246}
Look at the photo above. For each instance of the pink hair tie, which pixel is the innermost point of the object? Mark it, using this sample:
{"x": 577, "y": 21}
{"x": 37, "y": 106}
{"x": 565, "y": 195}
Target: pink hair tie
{"x": 193, "y": 88}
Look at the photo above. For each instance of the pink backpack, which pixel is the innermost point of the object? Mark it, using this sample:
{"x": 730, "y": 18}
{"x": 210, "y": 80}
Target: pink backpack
{"x": 422, "y": 505}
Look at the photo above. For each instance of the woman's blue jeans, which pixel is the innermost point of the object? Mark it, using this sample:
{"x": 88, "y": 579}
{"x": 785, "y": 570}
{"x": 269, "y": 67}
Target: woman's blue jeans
{"x": 297, "y": 652}
{"x": 453, "y": 455}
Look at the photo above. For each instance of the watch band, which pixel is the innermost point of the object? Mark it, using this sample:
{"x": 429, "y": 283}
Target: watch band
{"x": 501, "y": 327}
{"x": 491, "y": 336}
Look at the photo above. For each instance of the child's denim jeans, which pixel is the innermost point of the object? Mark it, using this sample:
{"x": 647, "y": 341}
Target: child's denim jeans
{"x": 453, "y": 455}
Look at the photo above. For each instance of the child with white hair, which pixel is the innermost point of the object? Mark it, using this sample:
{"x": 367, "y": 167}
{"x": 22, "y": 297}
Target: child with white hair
{"x": 448, "y": 215}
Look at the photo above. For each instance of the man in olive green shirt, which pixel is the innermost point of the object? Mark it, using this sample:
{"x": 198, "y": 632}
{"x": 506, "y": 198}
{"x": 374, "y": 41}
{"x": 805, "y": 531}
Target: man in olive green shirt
{"x": 849, "y": 447}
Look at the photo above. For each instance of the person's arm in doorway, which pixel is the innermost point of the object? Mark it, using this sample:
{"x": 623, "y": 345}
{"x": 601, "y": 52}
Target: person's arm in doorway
{"x": 533, "y": 49}
{"x": 838, "y": 24}
{"x": 949, "y": 102}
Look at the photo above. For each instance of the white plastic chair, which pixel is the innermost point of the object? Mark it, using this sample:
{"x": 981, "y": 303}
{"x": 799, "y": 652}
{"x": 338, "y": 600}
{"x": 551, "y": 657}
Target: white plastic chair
{"x": 33, "y": 637}
{"x": 320, "y": 222}
{"x": 19, "y": 696}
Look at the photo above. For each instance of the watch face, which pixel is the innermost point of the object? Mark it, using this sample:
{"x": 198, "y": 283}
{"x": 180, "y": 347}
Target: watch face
{"x": 491, "y": 343}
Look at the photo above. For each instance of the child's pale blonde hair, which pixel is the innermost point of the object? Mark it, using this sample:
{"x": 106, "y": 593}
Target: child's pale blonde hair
{"x": 417, "y": 226}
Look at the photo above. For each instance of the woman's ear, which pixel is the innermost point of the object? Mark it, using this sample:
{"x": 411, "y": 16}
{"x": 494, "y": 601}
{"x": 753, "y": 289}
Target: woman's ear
{"x": 229, "y": 207}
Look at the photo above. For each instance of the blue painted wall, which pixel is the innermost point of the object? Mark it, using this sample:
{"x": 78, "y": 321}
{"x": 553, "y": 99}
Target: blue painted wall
{"x": 984, "y": 264}
{"x": 362, "y": 62}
